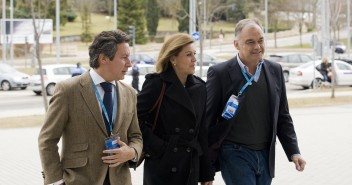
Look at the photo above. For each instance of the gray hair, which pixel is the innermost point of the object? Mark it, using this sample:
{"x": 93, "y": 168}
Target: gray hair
{"x": 246, "y": 22}
{"x": 105, "y": 43}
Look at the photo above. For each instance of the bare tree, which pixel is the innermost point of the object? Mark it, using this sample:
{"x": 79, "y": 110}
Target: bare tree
{"x": 275, "y": 10}
{"x": 38, "y": 29}
{"x": 335, "y": 10}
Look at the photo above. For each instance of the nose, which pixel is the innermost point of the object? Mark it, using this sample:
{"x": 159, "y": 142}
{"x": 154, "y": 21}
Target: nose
{"x": 129, "y": 63}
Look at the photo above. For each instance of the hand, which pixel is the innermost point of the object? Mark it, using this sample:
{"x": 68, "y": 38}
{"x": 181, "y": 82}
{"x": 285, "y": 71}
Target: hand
{"x": 299, "y": 162}
{"x": 119, "y": 155}
{"x": 207, "y": 183}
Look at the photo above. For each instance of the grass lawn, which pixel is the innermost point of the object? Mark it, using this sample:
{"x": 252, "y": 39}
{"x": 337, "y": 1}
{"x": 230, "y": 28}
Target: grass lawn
{"x": 100, "y": 22}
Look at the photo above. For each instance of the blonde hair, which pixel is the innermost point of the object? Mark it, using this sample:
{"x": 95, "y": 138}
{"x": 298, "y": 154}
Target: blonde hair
{"x": 172, "y": 47}
{"x": 325, "y": 59}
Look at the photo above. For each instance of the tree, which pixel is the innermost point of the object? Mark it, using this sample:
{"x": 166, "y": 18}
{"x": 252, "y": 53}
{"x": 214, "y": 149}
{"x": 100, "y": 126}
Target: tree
{"x": 183, "y": 16}
{"x": 274, "y": 13}
{"x": 131, "y": 12}
{"x": 335, "y": 10}
{"x": 153, "y": 9}
{"x": 86, "y": 35}
{"x": 23, "y": 10}
{"x": 39, "y": 12}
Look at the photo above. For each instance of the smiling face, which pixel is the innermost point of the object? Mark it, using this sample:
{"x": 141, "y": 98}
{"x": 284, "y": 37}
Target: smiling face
{"x": 116, "y": 68}
{"x": 250, "y": 44}
{"x": 184, "y": 63}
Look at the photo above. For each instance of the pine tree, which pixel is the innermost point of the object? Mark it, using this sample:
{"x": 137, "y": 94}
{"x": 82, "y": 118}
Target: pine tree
{"x": 153, "y": 9}
{"x": 131, "y": 12}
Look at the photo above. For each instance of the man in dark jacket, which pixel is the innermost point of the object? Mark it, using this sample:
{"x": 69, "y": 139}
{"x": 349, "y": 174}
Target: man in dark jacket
{"x": 246, "y": 109}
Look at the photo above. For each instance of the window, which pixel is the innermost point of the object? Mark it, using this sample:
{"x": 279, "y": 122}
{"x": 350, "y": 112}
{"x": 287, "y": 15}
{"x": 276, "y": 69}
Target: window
{"x": 62, "y": 71}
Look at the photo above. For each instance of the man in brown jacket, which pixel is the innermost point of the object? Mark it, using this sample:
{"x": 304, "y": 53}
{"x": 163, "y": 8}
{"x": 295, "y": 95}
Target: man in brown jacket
{"x": 78, "y": 115}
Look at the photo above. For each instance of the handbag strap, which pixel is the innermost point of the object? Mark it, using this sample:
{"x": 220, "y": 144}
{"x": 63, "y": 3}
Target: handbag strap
{"x": 158, "y": 105}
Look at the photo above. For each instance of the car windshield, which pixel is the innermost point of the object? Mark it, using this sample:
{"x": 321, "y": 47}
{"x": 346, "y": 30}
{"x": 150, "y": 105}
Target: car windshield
{"x": 4, "y": 68}
{"x": 274, "y": 58}
{"x": 37, "y": 72}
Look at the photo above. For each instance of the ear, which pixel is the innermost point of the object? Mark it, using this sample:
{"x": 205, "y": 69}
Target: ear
{"x": 172, "y": 59}
{"x": 236, "y": 44}
{"x": 103, "y": 59}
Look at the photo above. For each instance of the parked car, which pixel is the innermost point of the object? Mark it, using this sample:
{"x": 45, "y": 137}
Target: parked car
{"x": 289, "y": 61}
{"x": 204, "y": 72}
{"x": 348, "y": 60}
{"x": 142, "y": 58}
{"x": 10, "y": 78}
{"x": 143, "y": 70}
{"x": 339, "y": 47}
{"x": 308, "y": 76}
{"x": 208, "y": 60}
{"x": 52, "y": 74}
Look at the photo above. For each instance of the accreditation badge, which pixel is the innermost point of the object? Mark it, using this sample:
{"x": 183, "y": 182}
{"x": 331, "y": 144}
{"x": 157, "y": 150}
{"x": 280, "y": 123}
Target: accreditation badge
{"x": 230, "y": 108}
{"x": 111, "y": 142}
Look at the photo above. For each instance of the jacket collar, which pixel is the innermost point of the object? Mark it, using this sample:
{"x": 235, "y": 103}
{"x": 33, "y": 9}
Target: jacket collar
{"x": 178, "y": 93}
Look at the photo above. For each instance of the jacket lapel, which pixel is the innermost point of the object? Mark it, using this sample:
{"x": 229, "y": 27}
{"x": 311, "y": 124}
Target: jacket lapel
{"x": 272, "y": 86}
{"x": 236, "y": 77}
{"x": 176, "y": 91}
{"x": 121, "y": 102}
{"x": 91, "y": 101}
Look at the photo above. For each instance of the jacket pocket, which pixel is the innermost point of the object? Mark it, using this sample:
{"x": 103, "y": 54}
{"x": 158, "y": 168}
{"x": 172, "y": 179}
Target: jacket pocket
{"x": 80, "y": 147}
{"x": 75, "y": 163}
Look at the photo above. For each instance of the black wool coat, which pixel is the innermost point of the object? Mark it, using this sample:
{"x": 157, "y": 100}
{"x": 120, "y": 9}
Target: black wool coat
{"x": 177, "y": 150}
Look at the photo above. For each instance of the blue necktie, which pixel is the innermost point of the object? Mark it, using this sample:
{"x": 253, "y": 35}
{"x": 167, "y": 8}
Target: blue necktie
{"x": 108, "y": 103}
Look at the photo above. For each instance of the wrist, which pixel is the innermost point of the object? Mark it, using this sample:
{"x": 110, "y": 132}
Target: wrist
{"x": 135, "y": 156}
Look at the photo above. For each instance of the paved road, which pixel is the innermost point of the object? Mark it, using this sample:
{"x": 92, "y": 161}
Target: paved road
{"x": 323, "y": 133}
{"x": 25, "y": 102}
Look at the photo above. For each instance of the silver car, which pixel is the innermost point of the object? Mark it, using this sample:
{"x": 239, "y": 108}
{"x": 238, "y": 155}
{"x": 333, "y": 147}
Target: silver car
{"x": 10, "y": 78}
{"x": 52, "y": 74}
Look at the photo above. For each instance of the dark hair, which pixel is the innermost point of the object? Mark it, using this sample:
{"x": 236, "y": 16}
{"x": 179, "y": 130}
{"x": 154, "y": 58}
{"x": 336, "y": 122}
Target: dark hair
{"x": 105, "y": 43}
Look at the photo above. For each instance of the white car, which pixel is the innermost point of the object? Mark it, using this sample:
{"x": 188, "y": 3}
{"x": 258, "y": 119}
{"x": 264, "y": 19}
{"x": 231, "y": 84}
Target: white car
{"x": 143, "y": 70}
{"x": 308, "y": 76}
{"x": 204, "y": 72}
{"x": 52, "y": 74}
{"x": 10, "y": 78}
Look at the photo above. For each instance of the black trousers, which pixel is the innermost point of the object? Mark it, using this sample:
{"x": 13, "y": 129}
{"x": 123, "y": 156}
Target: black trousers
{"x": 107, "y": 180}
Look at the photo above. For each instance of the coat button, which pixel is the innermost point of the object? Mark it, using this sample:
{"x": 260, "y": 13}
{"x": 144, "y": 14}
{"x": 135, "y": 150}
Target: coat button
{"x": 177, "y": 130}
{"x": 174, "y": 169}
{"x": 188, "y": 149}
{"x": 147, "y": 155}
{"x": 175, "y": 149}
{"x": 191, "y": 131}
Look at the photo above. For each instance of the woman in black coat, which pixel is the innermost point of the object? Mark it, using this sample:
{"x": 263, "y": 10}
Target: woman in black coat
{"x": 176, "y": 150}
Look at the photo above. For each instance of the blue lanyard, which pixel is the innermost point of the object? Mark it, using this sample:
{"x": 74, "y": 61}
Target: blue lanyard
{"x": 249, "y": 81}
{"x": 104, "y": 109}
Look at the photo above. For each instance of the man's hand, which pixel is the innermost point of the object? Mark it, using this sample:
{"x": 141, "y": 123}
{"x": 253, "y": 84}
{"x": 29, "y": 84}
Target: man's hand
{"x": 299, "y": 162}
{"x": 118, "y": 156}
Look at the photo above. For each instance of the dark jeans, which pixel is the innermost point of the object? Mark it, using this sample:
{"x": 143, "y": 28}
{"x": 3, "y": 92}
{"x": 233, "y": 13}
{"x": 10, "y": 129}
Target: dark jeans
{"x": 325, "y": 75}
{"x": 242, "y": 166}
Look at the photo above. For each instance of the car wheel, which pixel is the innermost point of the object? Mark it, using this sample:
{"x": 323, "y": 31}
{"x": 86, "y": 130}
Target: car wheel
{"x": 23, "y": 88}
{"x": 316, "y": 83}
{"x": 38, "y": 92}
{"x": 50, "y": 88}
{"x": 286, "y": 76}
{"x": 5, "y": 85}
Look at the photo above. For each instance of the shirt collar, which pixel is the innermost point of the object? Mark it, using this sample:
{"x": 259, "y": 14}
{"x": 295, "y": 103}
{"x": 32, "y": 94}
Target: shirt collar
{"x": 244, "y": 67}
{"x": 97, "y": 79}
